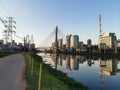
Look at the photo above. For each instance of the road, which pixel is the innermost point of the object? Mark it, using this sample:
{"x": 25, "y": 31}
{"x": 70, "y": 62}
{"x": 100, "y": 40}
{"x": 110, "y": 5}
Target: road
{"x": 11, "y": 72}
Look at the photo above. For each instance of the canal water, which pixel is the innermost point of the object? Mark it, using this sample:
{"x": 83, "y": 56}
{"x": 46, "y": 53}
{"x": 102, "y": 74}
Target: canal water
{"x": 95, "y": 73}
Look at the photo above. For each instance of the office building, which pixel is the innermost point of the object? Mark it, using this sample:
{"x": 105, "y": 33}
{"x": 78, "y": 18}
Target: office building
{"x": 81, "y": 45}
{"x": 68, "y": 41}
{"x": 74, "y": 41}
{"x": 89, "y": 42}
{"x": 106, "y": 40}
{"x": 118, "y": 43}
{"x": 60, "y": 43}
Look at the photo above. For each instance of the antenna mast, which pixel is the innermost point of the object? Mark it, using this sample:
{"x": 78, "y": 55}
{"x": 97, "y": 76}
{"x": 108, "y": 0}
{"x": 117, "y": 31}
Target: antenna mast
{"x": 100, "y": 21}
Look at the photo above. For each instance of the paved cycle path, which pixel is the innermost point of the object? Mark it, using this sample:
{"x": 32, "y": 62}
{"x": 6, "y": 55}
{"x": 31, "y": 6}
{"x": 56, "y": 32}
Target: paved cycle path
{"x": 11, "y": 72}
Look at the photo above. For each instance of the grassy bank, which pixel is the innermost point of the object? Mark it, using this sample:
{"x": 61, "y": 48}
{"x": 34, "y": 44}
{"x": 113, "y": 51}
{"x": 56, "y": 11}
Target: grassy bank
{"x": 4, "y": 53}
{"x": 51, "y": 78}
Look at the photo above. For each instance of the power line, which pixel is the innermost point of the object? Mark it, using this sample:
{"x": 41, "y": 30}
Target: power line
{"x": 4, "y": 8}
{"x": 22, "y": 38}
{"x": 3, "y": 14}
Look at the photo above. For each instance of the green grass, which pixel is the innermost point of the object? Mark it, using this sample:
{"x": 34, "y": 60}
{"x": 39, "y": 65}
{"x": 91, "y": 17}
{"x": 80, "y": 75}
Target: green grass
{"x": 6, "y": 53}
{"x": 51, "y": 78}
{"x": 71, "y": 84}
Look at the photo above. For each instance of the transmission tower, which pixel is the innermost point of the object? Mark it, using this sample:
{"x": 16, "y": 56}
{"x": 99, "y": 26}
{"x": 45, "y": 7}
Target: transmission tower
{"x": 6, "y": 36}
{"x": 8, "y": 32}
{"x": 10, "y": 27}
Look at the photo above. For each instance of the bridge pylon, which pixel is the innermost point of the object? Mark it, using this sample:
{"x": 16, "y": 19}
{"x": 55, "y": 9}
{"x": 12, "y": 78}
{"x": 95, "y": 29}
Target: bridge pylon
{"x": 56, "y": 40}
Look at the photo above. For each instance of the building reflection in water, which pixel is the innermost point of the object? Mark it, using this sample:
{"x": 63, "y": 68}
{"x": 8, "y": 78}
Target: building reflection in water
{"x": 74, "y": 63}
{"x": 55, "y": 59}
{"x": 68, "y": 67}
{"x": 90, "y": 61}
{"x": 60, "y": 63}
{"x": 82, "y": 59}
{"x": 107, "y": 67}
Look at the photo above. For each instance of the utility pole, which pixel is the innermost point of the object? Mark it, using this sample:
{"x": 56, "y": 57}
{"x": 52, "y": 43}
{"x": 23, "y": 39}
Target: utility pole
{"x": 24, "y": 44}
{"x": 27, "y": 41}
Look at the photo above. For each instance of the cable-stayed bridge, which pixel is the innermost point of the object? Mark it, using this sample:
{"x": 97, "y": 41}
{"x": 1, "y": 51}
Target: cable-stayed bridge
{"x": 53, "y": 37}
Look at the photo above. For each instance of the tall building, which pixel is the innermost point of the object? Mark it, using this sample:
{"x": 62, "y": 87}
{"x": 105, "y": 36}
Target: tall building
{"x": 89, "y": 42}
{"x": 60, "y": 43}
{"x": 74, "y": 41}
{"x": 81, "y": 45}
{"x": 68, "y": 41}
{"x": 117, "y": 46}
{"x": 118, "y": 43}
{"x": 53, "y": 45}
{"x": 106, "y": 40}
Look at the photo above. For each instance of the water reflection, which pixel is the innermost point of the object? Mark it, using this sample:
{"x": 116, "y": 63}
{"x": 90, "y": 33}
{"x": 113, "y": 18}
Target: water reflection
{"x": 60, "y": 60}
{"x": 96, "y": 73}
{"x": 108, "y": 66}
{"x": 72, "y": 62}
{"x": 68, "y": 66}
{"x": 90, "y": 61}
{"x": 55, "y": 59}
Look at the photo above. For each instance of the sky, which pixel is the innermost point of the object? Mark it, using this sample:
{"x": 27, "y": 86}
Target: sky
{"x": 78, "y": 17}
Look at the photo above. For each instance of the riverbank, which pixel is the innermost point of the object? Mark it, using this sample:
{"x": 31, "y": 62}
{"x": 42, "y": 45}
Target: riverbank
{"x": 51, "y": 79}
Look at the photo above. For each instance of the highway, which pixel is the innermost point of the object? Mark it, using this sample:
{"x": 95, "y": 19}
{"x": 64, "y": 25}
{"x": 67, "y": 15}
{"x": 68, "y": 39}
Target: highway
{"x": 11, "y": 72}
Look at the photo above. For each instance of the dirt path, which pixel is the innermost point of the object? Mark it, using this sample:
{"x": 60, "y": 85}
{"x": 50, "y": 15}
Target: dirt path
{"x": 11, "y": 72}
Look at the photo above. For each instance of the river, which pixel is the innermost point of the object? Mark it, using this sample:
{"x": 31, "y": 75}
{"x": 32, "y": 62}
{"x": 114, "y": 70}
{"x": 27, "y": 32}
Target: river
{"x": 95, "y": 73}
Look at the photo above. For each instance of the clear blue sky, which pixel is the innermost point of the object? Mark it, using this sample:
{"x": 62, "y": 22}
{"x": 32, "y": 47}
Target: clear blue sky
{"x": 39, "y": 17}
